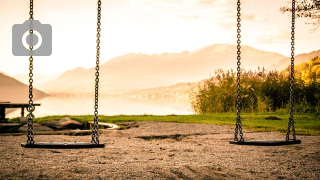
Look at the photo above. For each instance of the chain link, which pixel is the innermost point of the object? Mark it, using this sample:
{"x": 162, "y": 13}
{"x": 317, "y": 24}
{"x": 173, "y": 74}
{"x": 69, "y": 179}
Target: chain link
{"x": 30, "y": 108}
{"x": 238, "y": 128}
{"x": 31, "y": 10}
{"x": 291, "y": 120}
{"x": 95, "y": 128}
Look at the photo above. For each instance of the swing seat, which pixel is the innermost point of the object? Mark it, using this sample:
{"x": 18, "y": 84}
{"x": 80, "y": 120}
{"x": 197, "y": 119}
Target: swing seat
{"x": 272, "y": 142}
{"x": 64, "y": 145}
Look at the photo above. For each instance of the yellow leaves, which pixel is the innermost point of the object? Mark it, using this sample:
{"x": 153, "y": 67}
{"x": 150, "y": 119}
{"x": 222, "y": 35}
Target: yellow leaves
{"x": 318, "y": 73}
{"x": 315, "y": 68}
{"x": 308, "y": 72}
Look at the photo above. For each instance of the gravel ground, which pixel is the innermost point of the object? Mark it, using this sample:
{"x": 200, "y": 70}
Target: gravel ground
{"x": 158, "y": 150}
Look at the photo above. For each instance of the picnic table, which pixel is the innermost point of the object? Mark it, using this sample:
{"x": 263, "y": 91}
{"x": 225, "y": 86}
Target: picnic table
{"x": 4, "y": 105}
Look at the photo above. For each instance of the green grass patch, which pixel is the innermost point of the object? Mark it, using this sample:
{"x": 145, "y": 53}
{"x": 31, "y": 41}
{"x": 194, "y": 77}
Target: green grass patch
{"x": 305, "y": 124}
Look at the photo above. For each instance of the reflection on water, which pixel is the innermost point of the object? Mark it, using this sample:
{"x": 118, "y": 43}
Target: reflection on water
{"x": 54, "y": 105}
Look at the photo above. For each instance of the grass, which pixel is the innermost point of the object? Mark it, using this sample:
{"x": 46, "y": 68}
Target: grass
{"x": 305, "y": 124}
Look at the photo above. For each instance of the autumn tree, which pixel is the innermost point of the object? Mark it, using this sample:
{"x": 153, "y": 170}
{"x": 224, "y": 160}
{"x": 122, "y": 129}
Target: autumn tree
{"x": 309, "y": 9}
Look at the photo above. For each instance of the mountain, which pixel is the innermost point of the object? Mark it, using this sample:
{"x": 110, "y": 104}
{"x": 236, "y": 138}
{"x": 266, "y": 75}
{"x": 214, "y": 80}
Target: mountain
{"x": 16, "y": 92}
{"x": 141, "y": 71}
{"x": 177, "y": 91}
{"x": 70, "y": 82}
{"x": 301, "y": 58}
{"x": 38, "y": 79}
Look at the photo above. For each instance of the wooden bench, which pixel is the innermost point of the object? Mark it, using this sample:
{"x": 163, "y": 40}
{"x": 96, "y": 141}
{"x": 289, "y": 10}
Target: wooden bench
{"x": 4, "y": 105}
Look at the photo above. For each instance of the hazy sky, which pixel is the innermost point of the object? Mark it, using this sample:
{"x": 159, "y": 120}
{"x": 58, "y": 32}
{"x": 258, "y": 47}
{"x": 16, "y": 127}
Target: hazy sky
{"x": 147, "y": 26}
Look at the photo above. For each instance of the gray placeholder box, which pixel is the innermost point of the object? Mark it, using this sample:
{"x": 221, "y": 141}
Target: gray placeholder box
{"x": 42, "y": 39}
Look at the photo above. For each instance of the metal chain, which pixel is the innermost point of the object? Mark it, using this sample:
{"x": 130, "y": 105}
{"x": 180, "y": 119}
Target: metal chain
{"x": 238, "y": 122}
{"x": 95, "y": 128}
{"x": 291, "y": 120}
{"x": 30, "y": 108}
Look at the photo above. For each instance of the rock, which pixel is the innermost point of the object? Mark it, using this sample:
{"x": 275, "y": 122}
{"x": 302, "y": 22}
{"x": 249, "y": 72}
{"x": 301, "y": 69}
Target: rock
{"x": 4, "y": 120}
{"x": 128, "y": 125}
{"x": 36, "y": 128}
{"x": 67, "y": 123}
{"x": 62, "y": 124}
{"x": 9, "y": 127}
{"x": 53, "y": 124}
{"x": 23, "y": 120}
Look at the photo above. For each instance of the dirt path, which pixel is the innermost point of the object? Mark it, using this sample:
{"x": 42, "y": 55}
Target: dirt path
{"x": 156, "y": 150}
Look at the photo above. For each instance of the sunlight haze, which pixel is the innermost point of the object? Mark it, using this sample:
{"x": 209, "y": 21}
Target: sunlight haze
{"x": 148, "y": 27}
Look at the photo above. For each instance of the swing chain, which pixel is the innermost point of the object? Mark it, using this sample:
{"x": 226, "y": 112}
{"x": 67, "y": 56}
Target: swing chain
{"x": 30, "y": 108}
{"x": 238, "y": 122}
{"x": 291, "y": 120}
{"x": 95, "y": 128}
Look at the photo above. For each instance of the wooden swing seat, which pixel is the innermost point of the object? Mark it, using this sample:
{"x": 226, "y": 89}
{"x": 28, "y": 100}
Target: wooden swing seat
{"x": 64, "y": 145}
{"x": 272, "y": 142}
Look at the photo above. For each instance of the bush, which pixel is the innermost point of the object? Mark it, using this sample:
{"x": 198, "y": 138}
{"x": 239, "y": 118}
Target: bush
{"x": 261, "y": 91}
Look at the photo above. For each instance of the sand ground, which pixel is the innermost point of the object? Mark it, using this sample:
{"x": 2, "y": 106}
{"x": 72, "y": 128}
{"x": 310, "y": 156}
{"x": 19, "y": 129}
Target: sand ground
{"x": 158, "y": 150}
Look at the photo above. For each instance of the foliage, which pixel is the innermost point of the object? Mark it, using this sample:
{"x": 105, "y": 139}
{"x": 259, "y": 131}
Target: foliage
{"x": 308, "y": 72}
{"x": 305, "y": 124}
{"x": 261, "y": 90}
{"x": 309, "y": 9}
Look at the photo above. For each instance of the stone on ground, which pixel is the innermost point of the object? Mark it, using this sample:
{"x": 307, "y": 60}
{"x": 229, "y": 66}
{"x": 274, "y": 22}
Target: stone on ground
{"x": 63, "y": 124}
{"x": 36, "y": 128}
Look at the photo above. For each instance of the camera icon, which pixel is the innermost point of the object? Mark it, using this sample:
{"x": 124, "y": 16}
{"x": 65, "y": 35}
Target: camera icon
{"x": 41, "y": 39}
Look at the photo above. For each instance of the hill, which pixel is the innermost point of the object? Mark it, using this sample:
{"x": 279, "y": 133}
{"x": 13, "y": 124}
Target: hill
{"x": 16, "y": 92}
{"x": 309, "y": 72}
{"x": 301, "y": 58}
{"x": 39, "y": 79}
{"x": 177, "y": 91}
{"x": 142, "y": 71}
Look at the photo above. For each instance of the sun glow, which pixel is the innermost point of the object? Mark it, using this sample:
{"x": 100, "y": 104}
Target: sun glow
{"x": 148, "y": 27}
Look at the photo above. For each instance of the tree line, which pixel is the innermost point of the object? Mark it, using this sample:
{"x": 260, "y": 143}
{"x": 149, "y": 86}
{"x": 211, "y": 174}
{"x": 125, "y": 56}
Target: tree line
{"x": 261, "y": 90}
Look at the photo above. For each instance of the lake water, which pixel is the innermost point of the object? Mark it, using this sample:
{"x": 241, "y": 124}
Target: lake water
{"x": 55, "y": 105}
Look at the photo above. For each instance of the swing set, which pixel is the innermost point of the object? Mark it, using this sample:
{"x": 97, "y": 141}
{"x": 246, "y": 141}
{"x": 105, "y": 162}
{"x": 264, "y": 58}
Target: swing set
{"x": 238, "y": 129}
{"x": 95, "y": 128}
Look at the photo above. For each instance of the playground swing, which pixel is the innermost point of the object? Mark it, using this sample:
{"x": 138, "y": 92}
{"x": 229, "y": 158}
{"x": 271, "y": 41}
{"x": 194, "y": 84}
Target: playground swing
{"x": 95, "y": 128}
{"x": 238, "y": 128}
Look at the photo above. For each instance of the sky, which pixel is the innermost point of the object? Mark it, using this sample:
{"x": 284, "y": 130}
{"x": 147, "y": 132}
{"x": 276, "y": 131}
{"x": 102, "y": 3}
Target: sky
{"x": 147, "y": 26}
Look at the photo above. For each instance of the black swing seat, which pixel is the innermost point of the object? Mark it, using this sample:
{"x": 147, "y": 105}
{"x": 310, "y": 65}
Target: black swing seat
{"x": 64, "y": 145}
{"x": 272, "y": 142}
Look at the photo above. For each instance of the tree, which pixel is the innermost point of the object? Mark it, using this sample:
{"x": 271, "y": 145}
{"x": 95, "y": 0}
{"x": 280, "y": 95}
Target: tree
{"x": 309, "y": 9}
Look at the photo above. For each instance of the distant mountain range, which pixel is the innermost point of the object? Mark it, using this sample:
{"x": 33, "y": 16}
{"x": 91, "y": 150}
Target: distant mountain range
{"x": 177, "y": 91}
{"x": 16, "y": 92}
{"x": 38, "y": 79}
{"x": 141, "y": 71}
{"x": 141, "y": 74}
{"x": 301, "y": 58}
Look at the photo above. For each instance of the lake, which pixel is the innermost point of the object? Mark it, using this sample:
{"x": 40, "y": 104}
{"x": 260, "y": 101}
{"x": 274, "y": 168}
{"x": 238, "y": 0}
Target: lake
{"x": 56, "y": 105}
